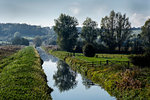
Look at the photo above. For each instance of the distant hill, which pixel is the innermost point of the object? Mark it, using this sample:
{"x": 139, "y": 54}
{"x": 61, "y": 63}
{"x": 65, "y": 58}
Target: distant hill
{"x": 136, "y": 30}
{"x": 7, "y": 30}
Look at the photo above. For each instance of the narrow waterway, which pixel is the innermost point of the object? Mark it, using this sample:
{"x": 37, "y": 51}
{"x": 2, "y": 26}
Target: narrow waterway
{"x": 67, "y": 84}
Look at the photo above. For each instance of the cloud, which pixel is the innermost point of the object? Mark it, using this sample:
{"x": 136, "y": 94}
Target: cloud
{"x": 74, "y": 8}
{"x": 138, "y": 20}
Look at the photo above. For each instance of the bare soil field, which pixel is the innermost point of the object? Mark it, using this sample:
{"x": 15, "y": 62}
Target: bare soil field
{"x": 8, "y": 50}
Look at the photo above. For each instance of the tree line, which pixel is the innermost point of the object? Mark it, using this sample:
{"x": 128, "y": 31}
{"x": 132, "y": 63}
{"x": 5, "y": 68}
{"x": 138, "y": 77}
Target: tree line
{"x": 113, "y": 36}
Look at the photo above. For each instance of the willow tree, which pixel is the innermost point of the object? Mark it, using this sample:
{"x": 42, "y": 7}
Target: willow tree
{"x": 116, "y": 29}
{"x": 65, "y": 27}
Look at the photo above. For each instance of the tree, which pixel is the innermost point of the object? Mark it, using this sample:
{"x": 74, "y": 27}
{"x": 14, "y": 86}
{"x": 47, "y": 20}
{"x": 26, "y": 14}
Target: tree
{"x": 115, "y": 30}
{"x": 146, "y": 33}
{"x": 89, "y": 30}
{"x": 17, "y": 34}
{"x": 65, "y": 27}
{"x": 65, "y": 79}
{"x": 20, "y": 41}
{"x": 137, "y": 43}
{"x": 122, "y": 29}
{"x": 37, "y": 41}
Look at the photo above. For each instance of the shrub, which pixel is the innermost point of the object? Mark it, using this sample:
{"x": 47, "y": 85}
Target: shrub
{"x": 141, "y": 60}
{"x": 88, "y": 50}
{"x": 20, "y": 41}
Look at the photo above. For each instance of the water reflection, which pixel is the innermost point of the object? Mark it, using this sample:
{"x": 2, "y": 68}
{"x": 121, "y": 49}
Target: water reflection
{"x": 87, "y": 83}
{"x": 45, "y": 56}
{"x": 65, "y": 79}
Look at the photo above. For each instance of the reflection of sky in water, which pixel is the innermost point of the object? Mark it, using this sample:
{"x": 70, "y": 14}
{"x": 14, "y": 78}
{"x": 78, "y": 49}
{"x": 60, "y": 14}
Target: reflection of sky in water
{"x": 79, "y": 92}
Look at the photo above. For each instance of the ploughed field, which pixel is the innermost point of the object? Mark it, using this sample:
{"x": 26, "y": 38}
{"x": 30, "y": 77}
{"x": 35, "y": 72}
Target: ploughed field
{"x": 6, "y": 51}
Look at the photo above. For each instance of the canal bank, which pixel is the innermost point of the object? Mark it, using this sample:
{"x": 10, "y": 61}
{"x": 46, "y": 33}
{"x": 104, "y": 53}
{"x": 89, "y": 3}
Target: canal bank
{"x": 22, "y": 77}
{"x": 119, "y": 81}
{"x": 68, "y": 84}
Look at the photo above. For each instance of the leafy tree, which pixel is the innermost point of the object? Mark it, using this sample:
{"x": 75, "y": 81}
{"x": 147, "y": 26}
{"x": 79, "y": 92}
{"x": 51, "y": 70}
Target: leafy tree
{"x": 24, "y": 41}
{"x": 122, "y": 29}
{"x": 115, "y": 30}
{"x": 20, "y": 41}
{"x": 146, "y": 33}
{"x": 65, "y": 27}
{"x": 17, "y": 34}
{"x": 89, "y": 30}
{"x": 37, "y": 41}
{"x": 137, "y": 43}
{"x": 108, "y": 35}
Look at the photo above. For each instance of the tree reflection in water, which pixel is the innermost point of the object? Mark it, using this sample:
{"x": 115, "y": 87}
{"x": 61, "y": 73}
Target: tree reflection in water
{"x": 65, "y": 78}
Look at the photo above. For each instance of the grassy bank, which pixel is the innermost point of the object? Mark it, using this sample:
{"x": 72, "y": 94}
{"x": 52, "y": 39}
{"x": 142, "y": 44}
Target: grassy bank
{"x": 121, "y": 81}
{"x": 22, "y": 77}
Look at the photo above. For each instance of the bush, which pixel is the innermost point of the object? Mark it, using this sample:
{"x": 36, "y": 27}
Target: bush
{"x": 20, "y": 41}
{"x": 141, "y": 60}
{"x": 88, "y": 50}
{"x": 37, "y": 41}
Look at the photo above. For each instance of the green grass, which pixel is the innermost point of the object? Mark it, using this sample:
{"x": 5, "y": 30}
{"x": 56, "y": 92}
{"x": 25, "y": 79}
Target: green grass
{"x": 105, "y": 57}
{"x": 101, "y": 57}
{"x": 22, "y": 78}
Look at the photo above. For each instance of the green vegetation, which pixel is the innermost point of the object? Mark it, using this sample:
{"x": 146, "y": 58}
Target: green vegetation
{"x": 98, "y": 57}
{"x": 20, "y": 41}
{"x": 116, "y": 30}
{"x": 37, "y": 41}
{"x": 121, "y": 81}
{"x": 88, "y": 50}
{"x": 146, "y": 32}
{"x": 22, "y": 78}
{"x": 89, "y": 31}
{"x": 141, "y": 60}
{"x": 65, "y": 27}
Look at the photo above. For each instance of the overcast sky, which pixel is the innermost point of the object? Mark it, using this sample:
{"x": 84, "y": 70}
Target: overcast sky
{"x": 43, "y": 12}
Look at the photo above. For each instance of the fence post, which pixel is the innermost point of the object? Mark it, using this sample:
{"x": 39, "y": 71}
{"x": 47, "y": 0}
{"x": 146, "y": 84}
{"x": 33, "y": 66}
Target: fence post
{"x": 128, "y": 63}
{"x": 92, "y": 64}
{"x": 107, "y": 62}
{"x": 100, "y": 63}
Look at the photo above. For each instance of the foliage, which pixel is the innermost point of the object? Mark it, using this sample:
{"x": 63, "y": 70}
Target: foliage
{"x": 65, "y": 27}
{"x": 141, "y": 60}
{"x": 17, "y": 34}
{"x": 88, "y": 50}
{"x": 116, "y": 30}
{"x": 146, "y": 32}
{"x": 37, "y": 41}
{"x": 22, "y": 77}
{"x": 20, "y": 41}
{"x": 89, "y": 30}
{"x": 136, "y": 43}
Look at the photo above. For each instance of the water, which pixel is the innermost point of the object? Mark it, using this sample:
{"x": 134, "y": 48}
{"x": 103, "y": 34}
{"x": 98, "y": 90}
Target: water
{"x": 67, "y": 84}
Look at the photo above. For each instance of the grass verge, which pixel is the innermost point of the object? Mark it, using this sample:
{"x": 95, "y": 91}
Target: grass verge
{"x": 22, "y": 77}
